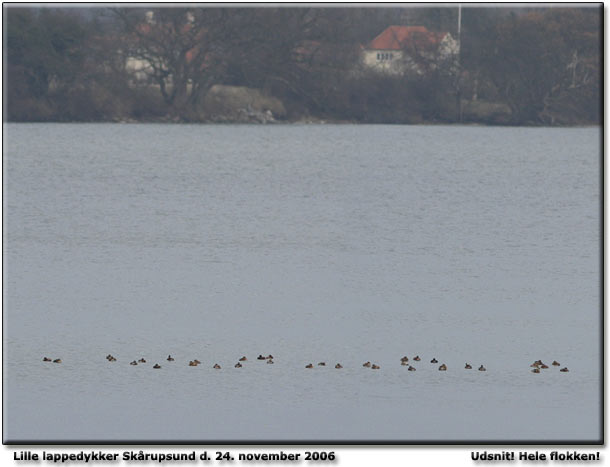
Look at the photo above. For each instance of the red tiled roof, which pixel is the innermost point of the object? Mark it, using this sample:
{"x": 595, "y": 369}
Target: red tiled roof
{"x": 397, "y": 37}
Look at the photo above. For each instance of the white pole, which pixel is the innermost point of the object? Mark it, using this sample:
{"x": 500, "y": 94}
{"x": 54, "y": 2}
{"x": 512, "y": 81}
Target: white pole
{"x": 459, "y": 38}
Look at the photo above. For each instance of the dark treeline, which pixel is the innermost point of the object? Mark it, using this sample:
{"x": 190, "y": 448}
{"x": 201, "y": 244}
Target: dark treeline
{"x": 527, "y": 66}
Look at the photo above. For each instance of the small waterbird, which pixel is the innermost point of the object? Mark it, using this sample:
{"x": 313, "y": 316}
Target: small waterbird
{"x": 156, "y": 366}
{"x": 338, "y": 365}
{"x": 482, "y": 368}
{"x": 170, "y": 358}
{"x": 443, "y": 367}
{"x": 309, "y": 366}
{"x": 468, "y": 366}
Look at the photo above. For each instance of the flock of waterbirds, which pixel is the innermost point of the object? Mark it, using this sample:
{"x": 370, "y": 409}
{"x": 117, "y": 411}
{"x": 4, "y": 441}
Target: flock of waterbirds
{"x": 404, "y": 361}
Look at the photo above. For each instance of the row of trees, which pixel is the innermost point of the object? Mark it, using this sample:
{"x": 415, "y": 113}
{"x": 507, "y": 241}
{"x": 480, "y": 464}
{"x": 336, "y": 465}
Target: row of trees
{"x": 538, "y": 62}
{"x": 79, "y": 64}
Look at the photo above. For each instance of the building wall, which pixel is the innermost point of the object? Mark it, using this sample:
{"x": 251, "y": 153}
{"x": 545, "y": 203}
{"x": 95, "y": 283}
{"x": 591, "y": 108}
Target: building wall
{"x": 138, "y": 68}
{"x": 449, "y": 47}
{"x": 387, "y": 61}
{"x": 396, "y": 62}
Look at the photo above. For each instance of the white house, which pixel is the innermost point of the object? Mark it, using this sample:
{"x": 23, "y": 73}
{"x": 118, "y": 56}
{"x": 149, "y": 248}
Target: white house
{"x": 402, "y": 49}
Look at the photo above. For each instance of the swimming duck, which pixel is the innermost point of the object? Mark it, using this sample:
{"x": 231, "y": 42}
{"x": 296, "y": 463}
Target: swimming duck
{"x": 197, "y": 362}
{"x": 564, "y": 369}
{"x": 443, "y": 367}
{"x": 270, "y": 357}
{"x": 367, "y": 364}
{"x": 45, "y": 359}
{"x": 270, "y": 362}
{"x": 536, "y": 370}
{"x": 543, "y": 366}
{"x": 192, "y": 363}
{"x": 108, "y": 357}
{"x": 243, "y": 359}
{"x": 156, "y": 366}
{"x": 141, "y": 361}
{"x": 434, "y": 360}
{"x": 416, "y": 358}
{"x": 375, "y": 367}
{"x": 404, "y": 359}
{"x": 338, "y": 365}
{"x": 468, "y": 366}
{"x": 309, "y": 366}
{"x": 238, "y": 365}
{"x": 482, "y": 368}
{"x": 404, "y": 363}
{"x": 322, "y": 364}
{"x": 134, "y": 363}
{"x": 170, "y": 358}
{"x": 260, "y": 357}
{"x": 555, "y": 363}
{"x": 57, "y": 360}
{"x": 216, "y": 366}
{"x": 411, "y": 368}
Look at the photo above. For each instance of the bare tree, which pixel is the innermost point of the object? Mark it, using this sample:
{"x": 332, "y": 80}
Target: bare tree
{"x": 298, "y": 52}
{"x": 182, "y": 50}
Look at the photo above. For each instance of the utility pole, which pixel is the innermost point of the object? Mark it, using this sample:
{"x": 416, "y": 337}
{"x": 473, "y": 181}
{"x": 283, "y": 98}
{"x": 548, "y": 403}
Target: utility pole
{"x": 459, "y": 64}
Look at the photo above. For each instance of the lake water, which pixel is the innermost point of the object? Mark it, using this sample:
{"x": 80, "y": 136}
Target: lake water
{"x": 312, "y": 243}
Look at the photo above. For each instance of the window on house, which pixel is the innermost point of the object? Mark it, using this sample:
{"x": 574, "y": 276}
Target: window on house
{"x": 385, "y": 56}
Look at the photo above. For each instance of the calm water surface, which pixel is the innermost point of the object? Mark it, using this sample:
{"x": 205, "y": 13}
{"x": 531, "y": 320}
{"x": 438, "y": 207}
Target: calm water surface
{"x": 312, "y": 243}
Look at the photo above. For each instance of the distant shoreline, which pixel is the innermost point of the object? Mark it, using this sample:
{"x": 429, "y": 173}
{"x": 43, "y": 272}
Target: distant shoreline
{"x": 311, "y": 122}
